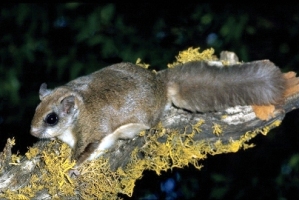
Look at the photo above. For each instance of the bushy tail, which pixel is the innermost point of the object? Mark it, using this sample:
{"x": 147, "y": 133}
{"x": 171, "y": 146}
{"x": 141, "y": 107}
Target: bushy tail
{"x": 199, "y": 87}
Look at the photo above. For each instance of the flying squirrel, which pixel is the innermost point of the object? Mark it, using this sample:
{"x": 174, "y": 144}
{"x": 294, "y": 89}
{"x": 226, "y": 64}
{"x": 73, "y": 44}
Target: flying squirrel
{"x": 92, "y": 112}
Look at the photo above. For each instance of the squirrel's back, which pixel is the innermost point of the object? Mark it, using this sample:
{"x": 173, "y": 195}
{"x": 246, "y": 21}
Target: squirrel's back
{"x": 121, "y": 92}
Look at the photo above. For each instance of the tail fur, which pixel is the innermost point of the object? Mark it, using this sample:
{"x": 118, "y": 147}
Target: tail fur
{"x": 291, "y": 88}
{"x": 198, "y": 87}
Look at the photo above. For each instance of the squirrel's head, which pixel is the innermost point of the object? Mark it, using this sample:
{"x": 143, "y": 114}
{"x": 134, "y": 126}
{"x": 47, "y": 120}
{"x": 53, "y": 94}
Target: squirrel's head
{"x": 56, "y": 112}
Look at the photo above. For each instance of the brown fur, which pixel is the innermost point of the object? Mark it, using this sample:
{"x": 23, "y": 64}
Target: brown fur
{"x": 106, "y": 100}
{"x": 124, "y": 97}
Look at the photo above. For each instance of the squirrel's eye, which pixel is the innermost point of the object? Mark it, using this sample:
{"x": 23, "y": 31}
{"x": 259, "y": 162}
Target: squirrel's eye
{"x": 52, "y": 119}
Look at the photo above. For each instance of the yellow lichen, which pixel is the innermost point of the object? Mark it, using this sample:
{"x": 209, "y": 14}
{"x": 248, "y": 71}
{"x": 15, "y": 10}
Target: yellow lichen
{"x": 11, "y": 142}
{"x": 235, "y": 145}
{"x": 143, "y": 65}
{"x": 26, "y": 192}
{"x": 224, "y": 116}
{"x": 97, "y": 181}
{"x": 142, "y": 133}
{"x": 13, "y": 195}
{"x": 15, "y": 159}
{"x": 196, "y": 126}
{"x": 218, "y": 147}
{"x": 31, "y": 153}
{"x": 217, "y": 130}
{"x": 266, "y": 129}
{"x": 177, "y": 151}
{"x": 56, "y": 171}
{"x": 192, "y": 54}
{"x": 54, "y": 175}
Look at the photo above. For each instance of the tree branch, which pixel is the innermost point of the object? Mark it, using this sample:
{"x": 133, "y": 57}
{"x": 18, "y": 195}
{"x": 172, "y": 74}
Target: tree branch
{"x": 211, "y": 129}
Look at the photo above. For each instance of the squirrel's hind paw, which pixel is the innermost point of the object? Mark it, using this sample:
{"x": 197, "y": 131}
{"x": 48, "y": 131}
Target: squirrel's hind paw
{"x": 264, "y": 112}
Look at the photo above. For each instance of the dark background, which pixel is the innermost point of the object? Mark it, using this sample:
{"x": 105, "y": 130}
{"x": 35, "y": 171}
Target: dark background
{"x": 55, "y": 43}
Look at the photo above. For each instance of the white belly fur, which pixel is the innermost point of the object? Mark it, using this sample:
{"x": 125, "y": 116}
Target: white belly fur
{"x": 127, "y": 131}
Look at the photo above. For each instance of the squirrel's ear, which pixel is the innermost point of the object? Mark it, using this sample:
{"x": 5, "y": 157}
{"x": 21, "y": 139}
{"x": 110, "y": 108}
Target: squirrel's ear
{"x": 68, "y": 104}
{"x": 43, "y": 91}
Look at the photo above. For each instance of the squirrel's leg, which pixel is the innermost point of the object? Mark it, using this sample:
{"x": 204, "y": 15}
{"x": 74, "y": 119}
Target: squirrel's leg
{"x": 96, "y": 149}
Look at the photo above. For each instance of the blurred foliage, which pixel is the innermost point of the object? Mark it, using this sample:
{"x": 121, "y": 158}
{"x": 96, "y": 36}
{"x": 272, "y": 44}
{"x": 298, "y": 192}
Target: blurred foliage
{"x": 55, "y": 43}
